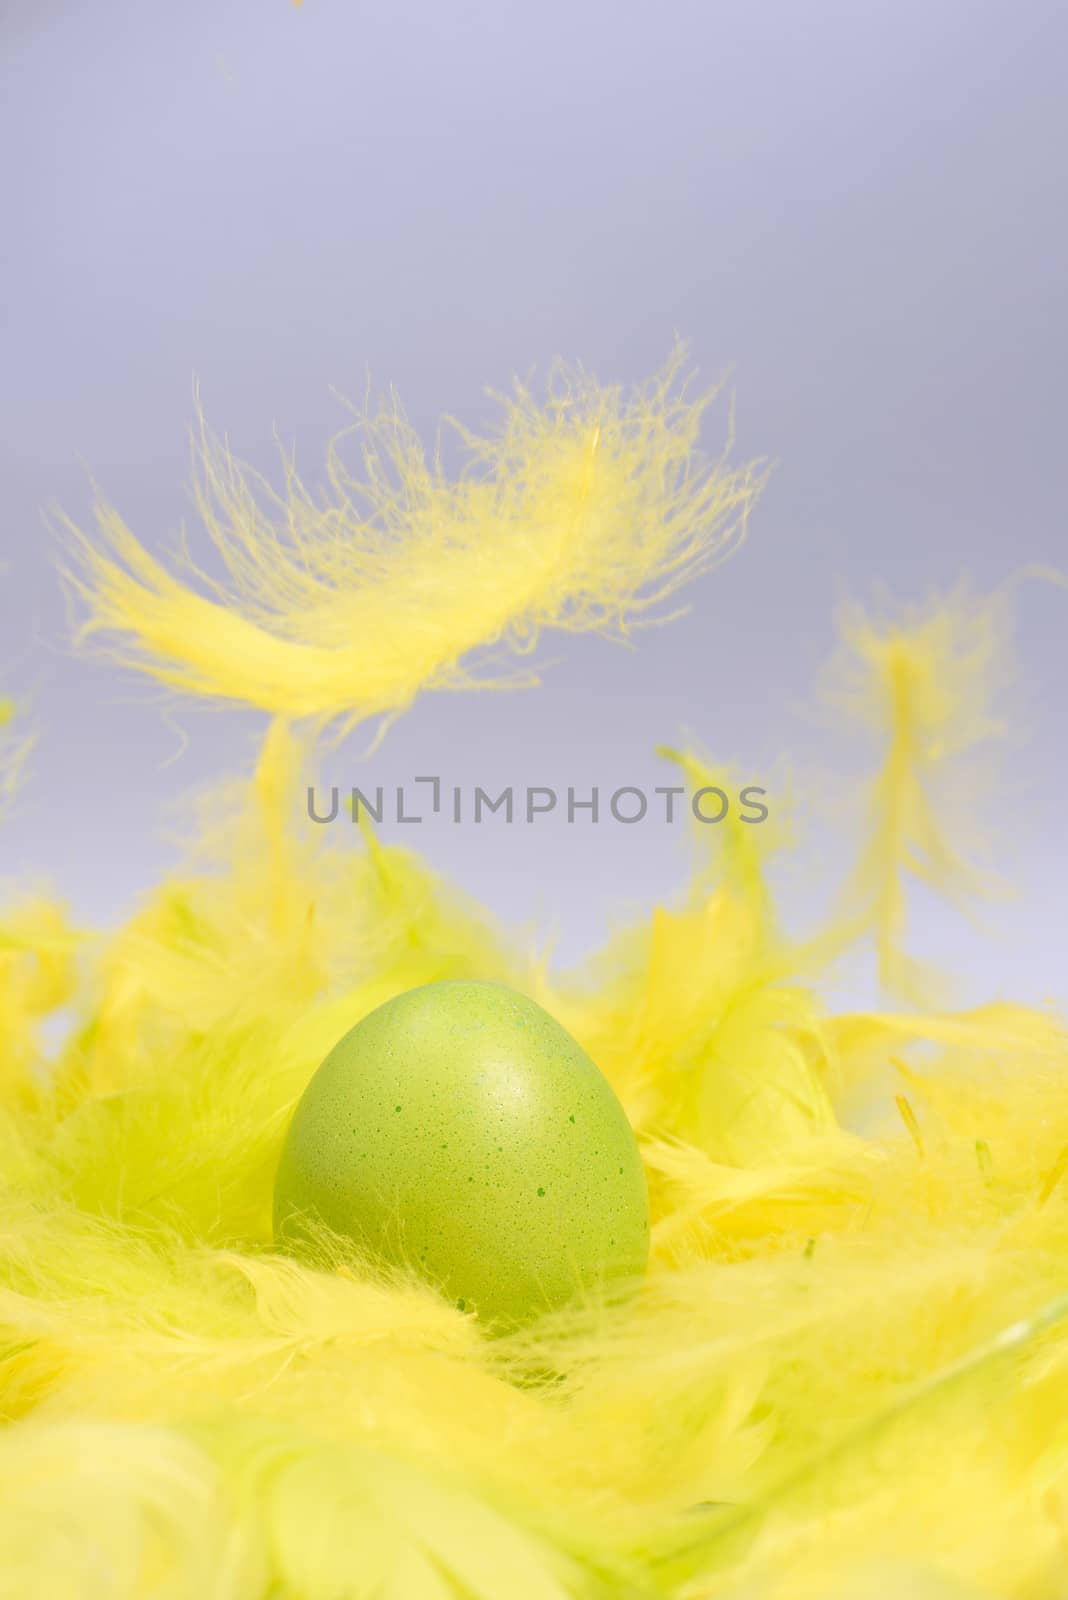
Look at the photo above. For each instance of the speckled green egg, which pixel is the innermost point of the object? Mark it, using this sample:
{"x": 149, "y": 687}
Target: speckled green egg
{"x": 461, "y": 1130}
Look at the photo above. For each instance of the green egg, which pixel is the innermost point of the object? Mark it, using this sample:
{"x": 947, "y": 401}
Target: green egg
{"x": 460, "y": 1130}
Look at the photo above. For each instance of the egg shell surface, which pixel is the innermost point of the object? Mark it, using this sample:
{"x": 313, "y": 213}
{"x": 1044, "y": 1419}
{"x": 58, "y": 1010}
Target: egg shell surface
{"x": 460, "y": 1130}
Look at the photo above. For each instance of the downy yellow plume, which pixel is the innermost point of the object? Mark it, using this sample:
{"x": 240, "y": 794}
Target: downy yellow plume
{"x": 15, "y": 748}
{"x": 931, "y": 683}
{"x": 584, "y": 513}
{"x": 846, "y": 1374}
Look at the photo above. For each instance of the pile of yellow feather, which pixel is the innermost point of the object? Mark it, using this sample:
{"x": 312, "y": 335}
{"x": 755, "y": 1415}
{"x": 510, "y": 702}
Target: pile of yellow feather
{"x": 846, "y": 1374}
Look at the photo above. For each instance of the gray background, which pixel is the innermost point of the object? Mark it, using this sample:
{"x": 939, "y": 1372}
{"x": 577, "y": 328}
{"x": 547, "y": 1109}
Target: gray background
{"x": 859, "y": 209}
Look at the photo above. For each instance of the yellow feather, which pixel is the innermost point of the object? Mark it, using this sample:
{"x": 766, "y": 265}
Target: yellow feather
{"x": 585, "y": 513}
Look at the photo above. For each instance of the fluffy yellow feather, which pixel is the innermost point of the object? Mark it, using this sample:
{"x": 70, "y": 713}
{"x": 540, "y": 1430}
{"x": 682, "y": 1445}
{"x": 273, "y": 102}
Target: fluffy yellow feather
{"x": 584, "y": 513}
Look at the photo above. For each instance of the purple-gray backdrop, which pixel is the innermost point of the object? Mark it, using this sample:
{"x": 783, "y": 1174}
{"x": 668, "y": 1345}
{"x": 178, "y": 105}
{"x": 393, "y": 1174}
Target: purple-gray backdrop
{"x": 859, "y": 208}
